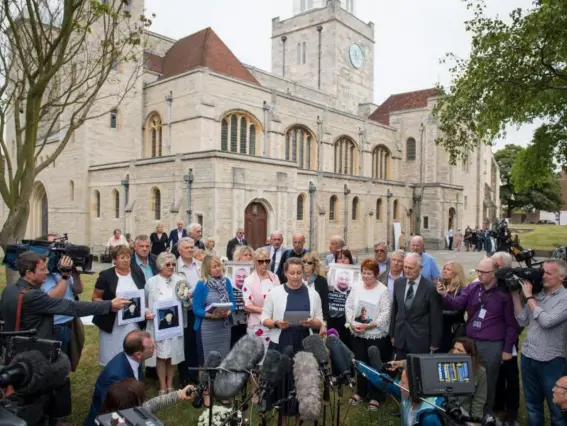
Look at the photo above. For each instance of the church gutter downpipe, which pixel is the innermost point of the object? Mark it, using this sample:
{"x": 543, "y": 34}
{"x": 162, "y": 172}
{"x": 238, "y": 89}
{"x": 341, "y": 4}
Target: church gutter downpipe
{"x": 312, "y": 190}
{"x": 319, "y": 30}
{"x": 188, "y": 179}
{"x": 169, "y": 100}
{"x": 346, "y": 191}
{"x": 284, "y": 39}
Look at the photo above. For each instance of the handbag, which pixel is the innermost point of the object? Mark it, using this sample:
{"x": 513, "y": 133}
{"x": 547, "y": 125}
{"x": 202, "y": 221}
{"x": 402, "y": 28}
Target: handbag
{"x": 106, "y": 257}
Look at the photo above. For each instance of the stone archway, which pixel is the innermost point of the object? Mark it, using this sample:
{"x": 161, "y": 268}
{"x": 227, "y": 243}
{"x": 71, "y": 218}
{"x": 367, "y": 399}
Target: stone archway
{"x": 452, "y": 214}
{"x": 256, "y": 225}
{"x": 38, "y": 222}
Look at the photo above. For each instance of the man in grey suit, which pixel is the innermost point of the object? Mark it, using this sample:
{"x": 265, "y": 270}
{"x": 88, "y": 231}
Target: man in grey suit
{"x": 417, "y": 312}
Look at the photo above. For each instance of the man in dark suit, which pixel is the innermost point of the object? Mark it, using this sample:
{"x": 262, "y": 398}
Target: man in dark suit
{"x": 237, "y": 241}
{"x": 138, "y": 346}
{"x": 175, "y": 235}
{"x": 417, "y": 312}
{"x": 298, "y": 242}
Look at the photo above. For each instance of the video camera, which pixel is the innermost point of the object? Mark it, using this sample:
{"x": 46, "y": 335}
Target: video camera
{"x": 53, "y": 251}
{"x": 504, "y": 242}
{"x": 34, "y": 368}
{"x": 510, "y": 279}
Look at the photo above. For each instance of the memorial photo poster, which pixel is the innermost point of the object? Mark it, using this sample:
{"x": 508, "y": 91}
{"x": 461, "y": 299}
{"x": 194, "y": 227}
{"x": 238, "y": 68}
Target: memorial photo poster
{"x": 168, "y": 322}
{"x": 365, "y": 312}
{"x": 237, "y": 272}
{"x": 135, "y": 311}
{"x": 342, "y": 277}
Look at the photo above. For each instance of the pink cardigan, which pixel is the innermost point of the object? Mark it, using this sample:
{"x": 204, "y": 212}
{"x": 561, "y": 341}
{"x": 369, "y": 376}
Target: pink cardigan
{"x": 252, "y": 293}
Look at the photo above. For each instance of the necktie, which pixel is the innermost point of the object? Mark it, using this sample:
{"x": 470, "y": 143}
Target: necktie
{"x": 273, "y": 265}
{"x": 409, "y": 295}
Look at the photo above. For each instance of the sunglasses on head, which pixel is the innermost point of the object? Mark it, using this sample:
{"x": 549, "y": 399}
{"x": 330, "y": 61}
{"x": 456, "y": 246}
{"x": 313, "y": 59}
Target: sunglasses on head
{"x": 264, "y": 261}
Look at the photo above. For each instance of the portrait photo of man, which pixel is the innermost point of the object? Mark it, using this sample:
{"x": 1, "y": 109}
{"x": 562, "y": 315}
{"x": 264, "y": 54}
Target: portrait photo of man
{"x": 343, "y": 282}
{"x": 239, "y": 276}
{"x": 169, "y": 318}
{"x": 133, "y": 310}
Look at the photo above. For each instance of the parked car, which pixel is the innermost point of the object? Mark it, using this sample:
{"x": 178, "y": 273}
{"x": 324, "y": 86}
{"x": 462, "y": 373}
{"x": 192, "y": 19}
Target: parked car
{"x": 546, "y": 222}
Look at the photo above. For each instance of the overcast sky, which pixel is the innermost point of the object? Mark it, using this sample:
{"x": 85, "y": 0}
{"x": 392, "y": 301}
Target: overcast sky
{"x": 411, "y": 36}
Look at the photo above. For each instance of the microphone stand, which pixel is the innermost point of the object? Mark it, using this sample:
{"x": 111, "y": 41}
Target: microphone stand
{"x": 212, "y": 375}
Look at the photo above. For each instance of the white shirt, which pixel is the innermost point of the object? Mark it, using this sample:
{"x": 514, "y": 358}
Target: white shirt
{"x": 378, "y": 307}
{"x": 416, "y": 284}
{"x": 135, "y": 365}
{"x": 191, "y": 272}
{"x": 179, "y": 234}
{"x": 278, "y": 257}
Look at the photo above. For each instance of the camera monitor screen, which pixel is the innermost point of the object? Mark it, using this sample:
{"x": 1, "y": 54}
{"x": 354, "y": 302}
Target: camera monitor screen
{"x": 440, "y": 374}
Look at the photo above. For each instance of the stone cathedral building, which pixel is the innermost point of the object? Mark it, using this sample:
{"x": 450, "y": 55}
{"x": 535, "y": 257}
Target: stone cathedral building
{"x": 301, "y": 148}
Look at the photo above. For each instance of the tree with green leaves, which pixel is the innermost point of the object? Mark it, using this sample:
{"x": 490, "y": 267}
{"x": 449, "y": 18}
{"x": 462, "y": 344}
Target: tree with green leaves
{"x": 516, "y": 73}
{"x": 546, "y": 197}
{"x": 57, "y": 59}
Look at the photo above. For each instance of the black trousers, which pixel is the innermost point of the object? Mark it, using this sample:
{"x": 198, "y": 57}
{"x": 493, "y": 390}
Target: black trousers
{"x": 508, "y": 390}
{"x": 236, "y": 333}
{"x": 191, "y": 355}
{"x": 360, "y": 348}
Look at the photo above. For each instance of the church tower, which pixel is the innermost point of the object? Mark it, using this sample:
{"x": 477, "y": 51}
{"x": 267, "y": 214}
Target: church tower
{"x": 326, "y": 47}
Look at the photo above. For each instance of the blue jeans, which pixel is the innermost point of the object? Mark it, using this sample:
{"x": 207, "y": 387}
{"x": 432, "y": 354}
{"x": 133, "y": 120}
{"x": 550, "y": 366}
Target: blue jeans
{"x": 63, "y": 334}
{"x": 538, "y": 379}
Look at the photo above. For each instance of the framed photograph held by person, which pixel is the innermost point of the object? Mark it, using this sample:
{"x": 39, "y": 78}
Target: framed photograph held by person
{"x": 135, "y": 311}
{"x": 168, "y": 322}
{"x": 237, "y": 272}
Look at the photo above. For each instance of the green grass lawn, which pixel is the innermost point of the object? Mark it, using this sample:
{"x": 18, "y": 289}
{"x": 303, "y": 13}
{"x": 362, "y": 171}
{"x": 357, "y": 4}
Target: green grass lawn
{"x": 84, "y": 378}
{"x": 541, "y": 237}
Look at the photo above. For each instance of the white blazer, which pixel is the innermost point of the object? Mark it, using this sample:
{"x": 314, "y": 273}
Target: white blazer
{"x": 276, "y": 302}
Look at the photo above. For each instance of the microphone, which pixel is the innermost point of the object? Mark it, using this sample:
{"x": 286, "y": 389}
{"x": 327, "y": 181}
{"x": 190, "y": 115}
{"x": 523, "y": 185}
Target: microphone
{"x": 341, "y": 357}
{"x": 332, "y": 332}
{"x": 289, "y": 351}
{"x": 306, "y": 376}
{"x": 269, "y": 376}
{"x": 375, "y": 358}
{"x": 31, "y": 373}
{"x": 213, "y": 360}
{"x": 244, "y": 356}
{"x": 314, "y": 344}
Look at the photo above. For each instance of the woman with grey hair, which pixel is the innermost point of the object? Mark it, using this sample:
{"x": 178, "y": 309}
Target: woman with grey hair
{"x": 169, "y": 352}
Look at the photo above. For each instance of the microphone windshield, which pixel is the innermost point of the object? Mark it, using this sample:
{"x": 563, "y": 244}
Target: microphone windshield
{"x": 332, "y": 332}
{"x": 374, "y": 357}
{"x": 285, "y": 366}
{"x": 213, "y": 360}
{"x": 306, "y": 375}
{"x": 289, "y": 351}
{"x": 42, "y": 375}
{"x": 314, "y": 344}
{"x": 341, "y": 356}
{"x": 270, "y": 373}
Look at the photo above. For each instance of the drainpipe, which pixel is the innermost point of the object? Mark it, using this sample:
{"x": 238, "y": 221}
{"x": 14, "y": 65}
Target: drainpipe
{"x": 188, "y": 179}
{"x": 319, "y": 30}
{"x": 312, "y": 189}
{"x": 389, "y": 195}
{"x": 126, "y": 185}
{"x": 169, "y": 100}
{"x": 266, "y": 108}
{"x": 319, "y": 142}
{"x": 284, "y": 39}
{"x": 346, "y": 192}
{"x": 419, "y": 197}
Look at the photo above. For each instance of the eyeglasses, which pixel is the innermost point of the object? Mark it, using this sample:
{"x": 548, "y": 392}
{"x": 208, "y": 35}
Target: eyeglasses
{"x": 478, "y": 271}
{"x": 170, "y": 265}
{"x": 307, "y": 262}
{"x": 264, "y": 261}
{"x": 560, "y": 387}
{"x": 379, "y": 251}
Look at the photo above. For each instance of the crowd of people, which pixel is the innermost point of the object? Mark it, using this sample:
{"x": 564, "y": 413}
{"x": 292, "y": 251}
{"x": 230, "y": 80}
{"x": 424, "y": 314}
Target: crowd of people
{"x": 400, "y": 302}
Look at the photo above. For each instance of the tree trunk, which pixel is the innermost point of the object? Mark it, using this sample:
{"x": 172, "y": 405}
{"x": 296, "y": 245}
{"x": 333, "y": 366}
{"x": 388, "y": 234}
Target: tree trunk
{"x": 509, "y": 212}
{"x": 14, "y": 230}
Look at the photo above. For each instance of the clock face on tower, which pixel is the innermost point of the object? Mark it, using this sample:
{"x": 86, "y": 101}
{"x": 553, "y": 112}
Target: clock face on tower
{"x": 356, "y": 55}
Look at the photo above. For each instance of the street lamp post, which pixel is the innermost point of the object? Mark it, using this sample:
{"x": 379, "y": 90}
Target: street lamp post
{"x": 126, "y": 185}
{"x": 169, "y": 100}
{"x": 346, "y": 192}
{"x": 312, "y": 189}
{"x": 188, "y": 179}
{"x": 388, "y": 196}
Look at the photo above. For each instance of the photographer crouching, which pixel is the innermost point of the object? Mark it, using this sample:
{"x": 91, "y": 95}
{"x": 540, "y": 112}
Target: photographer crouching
{"x": 24, "y": 306}
{"x": 543, "y": 350}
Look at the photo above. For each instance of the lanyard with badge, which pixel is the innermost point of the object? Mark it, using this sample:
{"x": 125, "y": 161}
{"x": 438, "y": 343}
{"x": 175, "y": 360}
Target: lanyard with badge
{"x": 481, "y": 311}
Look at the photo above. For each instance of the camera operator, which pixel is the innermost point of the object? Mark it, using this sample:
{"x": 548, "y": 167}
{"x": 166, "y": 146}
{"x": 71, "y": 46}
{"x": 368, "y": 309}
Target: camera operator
{"x": 543, "y": 350}
{"x": 491, "y": 323}
{"x": 560, "y": 396}
{"x": 24, "y": 307}
{"x": 65, "y": 284}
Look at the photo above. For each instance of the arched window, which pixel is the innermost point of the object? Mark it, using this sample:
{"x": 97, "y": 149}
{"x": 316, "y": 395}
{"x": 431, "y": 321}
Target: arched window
{"x": 410, "y": 149}
{"x": 346, "y": 157}
{"x": 333, "y": 207}
{"x": 156, "y": 203}
{"x": 154, "y": 136}
{"x": 381, "y": 163}
{"x": 116, "y": 201}
{"x": 355, "y": 208}
{"x": 300, "y": 147}
{"x": 238, "y": 133}
{"x": 379, "y": 209}
{"x": 72, "y": 190}
{"x": 396, "y": 210}
{"x": 97, "y": 203}
{"x": 300, "y": 206}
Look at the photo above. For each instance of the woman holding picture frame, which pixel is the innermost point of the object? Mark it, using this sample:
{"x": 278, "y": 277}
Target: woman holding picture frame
{"x": 255, "y": 290}
{"x": 168, "y": 352}
{"x": 367, "y": 310}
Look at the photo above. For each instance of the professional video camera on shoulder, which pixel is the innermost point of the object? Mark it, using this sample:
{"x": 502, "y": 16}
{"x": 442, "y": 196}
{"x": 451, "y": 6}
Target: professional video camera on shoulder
{"x": 53, "y": 249}
{"x": 510, "y": 279}
{"x": 31, "y": 370}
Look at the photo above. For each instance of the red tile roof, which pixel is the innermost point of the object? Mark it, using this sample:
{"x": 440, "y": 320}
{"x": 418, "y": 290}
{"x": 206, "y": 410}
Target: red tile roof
{"x": 153, "y": 62}
{"x": 204, "y": 49}
{"x": 402, "y": 102}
